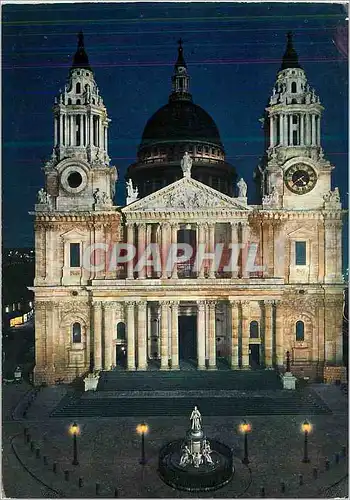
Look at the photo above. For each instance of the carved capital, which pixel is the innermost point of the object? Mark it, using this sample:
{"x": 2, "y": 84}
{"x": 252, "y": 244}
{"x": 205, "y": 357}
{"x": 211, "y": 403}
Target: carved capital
{"x": 201, "y": 304}
{"x": 142, "y": 305}
{"x": 130, "y": 304}
{"x": 166, "y": 304}
{"x": 97, "y": 304}
{"x": 175, "y": 304}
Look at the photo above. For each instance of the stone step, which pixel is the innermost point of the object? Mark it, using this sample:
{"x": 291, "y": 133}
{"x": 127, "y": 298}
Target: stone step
{"x": 144, "y": 407}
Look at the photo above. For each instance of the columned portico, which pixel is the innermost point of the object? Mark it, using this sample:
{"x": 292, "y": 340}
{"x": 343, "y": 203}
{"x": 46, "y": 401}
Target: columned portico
{"x": 130, "y": 331}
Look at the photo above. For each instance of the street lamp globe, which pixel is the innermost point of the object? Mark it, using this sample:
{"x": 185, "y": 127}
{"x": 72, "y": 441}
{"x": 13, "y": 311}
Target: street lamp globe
{"x": 74, "y": 429}
{"x": 245, "y": 427}
{"x": 306, "y": 427}
{"x": 142, "y": 428}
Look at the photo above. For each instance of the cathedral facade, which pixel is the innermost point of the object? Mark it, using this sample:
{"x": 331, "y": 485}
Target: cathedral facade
{"x": 187, "y": 272}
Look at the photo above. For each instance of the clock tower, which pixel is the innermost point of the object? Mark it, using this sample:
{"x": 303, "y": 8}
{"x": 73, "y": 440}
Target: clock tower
{"x": 294, "y": 173}
{"x": 78, "y": 175}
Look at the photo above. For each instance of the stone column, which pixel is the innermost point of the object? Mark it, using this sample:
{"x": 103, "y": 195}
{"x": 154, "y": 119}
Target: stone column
{"x": 56, "y": 121}
{"x": 212, "y": 249}
{"x": 235, "y": 249}
{"x": 272, "y": 140}
{"x": 148, "y": 241}
{"x": 245, "y": 241}
{"x": 201, "y": 335}
{"x": 141, "y": 244}
{"x": 108, "y": 334}
{"x": 308, "y": 130}
{"x": 174, "y": 229}
{"x": 290, "y": 117}
{"x": 165, "y": 227}
{"x": 97, "y": 335}
{"x": 268, "y": 333}
{"x": 313, "y": 130}
{"x": 318, "y": 130}
{"x": 285, "y": 130}
{"x": 130, "y": 241}
{"x": 302, "y": 116}
{"x": 234, "y": 335}
{"x": 130, "y": 334}
{"x": 281, "y": 138}
{"x": 142, "y": 335}
{"x": 201, "y": 242}
{"x": 164, "y": 335}
{"x": 279, "y": 333}
{"x": 212, "y": 336}
{"x": 175, "y": 335}
{"x": 245, "y": 334}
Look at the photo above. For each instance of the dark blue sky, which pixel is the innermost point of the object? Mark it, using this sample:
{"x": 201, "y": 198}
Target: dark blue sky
{"x": 233, "y": 52}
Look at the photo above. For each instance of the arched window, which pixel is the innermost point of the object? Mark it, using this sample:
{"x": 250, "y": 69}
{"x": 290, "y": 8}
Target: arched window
{"x": 76, "y": 333}
{"x": 78, "y": 101}
{"x": 254, "y": 330}
{"x": 299, "y": 331}
{"x": 69, "y": 101}
{"x": 78, "y": 88}
{"x": 294, "y": 87}
{"x": 121, "y": 331}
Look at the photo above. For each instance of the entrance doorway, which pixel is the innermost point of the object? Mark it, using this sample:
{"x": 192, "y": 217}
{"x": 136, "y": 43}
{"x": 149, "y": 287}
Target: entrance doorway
{"x": 120, "y": 355}
{"x": 187, "y": 337}
{"x": 254, "y": 355}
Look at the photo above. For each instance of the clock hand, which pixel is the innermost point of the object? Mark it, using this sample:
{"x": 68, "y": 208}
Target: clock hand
{"x": 300, "y": 178}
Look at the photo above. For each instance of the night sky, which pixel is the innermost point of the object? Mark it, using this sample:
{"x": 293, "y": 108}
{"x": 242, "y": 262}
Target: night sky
{"x": 233, "y": 53}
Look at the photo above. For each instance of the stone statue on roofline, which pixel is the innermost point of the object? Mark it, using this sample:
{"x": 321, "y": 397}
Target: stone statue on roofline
{"x": 242, "y": 188}
{"x": 186, "y": 165}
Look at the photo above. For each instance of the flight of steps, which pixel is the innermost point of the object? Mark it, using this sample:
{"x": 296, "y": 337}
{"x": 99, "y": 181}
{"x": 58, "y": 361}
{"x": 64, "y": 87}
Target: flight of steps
{"x": 250, "y": 380}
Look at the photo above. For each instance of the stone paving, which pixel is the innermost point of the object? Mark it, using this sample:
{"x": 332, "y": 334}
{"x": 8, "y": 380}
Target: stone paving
{"x": 109, "y": 451}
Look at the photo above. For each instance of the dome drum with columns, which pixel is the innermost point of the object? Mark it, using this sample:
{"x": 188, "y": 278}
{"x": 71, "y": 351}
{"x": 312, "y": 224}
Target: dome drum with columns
{"x": 257, "y": 280}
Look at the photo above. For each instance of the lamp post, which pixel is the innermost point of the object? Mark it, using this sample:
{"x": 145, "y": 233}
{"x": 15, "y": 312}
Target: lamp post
{"x": 142, "y": 429}
{"x": 245, "y": 428}
{"x": 306, "y": 428}
{"x": 75, "y": 430}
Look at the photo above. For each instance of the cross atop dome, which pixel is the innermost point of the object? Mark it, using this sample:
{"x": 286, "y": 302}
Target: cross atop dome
{"x": 180, "y": 58}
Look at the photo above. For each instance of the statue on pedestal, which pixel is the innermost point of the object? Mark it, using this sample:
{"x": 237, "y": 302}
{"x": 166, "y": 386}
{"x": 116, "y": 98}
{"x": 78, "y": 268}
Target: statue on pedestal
{"x": 186, "y": 165}
{"x": 196, "y": 419}
{"x": 132, "y": 193}
{"x": 242, "y": 188}
{"x": 42, "y": 196}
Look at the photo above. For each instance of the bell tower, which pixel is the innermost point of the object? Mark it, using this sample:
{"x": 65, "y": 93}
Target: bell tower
{"x": 294, "y": 173}
{"x": 79, "y": 174}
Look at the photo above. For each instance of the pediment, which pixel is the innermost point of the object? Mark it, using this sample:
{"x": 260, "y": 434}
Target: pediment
{"x": 186, "y": 194}
{"x": 300, "y": 232}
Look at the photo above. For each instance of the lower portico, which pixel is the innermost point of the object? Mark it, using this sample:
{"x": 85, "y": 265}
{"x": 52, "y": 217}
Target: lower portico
{"x": 132, "y": 333}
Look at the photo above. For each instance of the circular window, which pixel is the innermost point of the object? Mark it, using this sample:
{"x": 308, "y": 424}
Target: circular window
{"x": 74, "y": 179}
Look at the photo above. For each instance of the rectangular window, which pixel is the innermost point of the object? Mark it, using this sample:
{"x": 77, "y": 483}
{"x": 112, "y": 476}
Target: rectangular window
{"x": 74, "y": 254}
{"x": 300, "y": 253}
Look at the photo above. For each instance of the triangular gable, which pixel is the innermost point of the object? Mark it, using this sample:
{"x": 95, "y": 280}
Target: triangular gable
{"x": 185, "y": 194}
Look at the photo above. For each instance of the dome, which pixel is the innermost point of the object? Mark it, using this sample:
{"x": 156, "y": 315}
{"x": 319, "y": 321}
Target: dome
{"x": 180, "y": 120}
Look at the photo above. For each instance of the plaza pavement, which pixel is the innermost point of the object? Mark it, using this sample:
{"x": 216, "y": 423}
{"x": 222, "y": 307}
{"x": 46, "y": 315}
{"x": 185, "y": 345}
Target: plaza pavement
{"x": 109, "y": 450}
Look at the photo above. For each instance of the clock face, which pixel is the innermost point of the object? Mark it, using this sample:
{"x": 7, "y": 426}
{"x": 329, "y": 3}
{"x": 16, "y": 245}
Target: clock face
{"x": 181, "y": 70}
{"x": 300, "y": 178}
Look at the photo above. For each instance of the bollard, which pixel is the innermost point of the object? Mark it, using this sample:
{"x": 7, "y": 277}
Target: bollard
{"x": 80, "y": 482}
{"x": 314, "y": 472}
{"x": 283, "y": 487}
{"x": 301, "y": 482}
{"x": 54, "y": 467}
{"x": 97, "y": 488}
{"x": 262, "y": 492}
{"x": 45, "y": 459}
{"x": 115, "y": 493}
{"x": 32, "y": 446}
{"x": 66, "y": 475}
{"x": 37, "y": 453}
{"x": 28, "y": 438}
{"x": 337, "y": 458}
{"x": 327, "y": 464}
